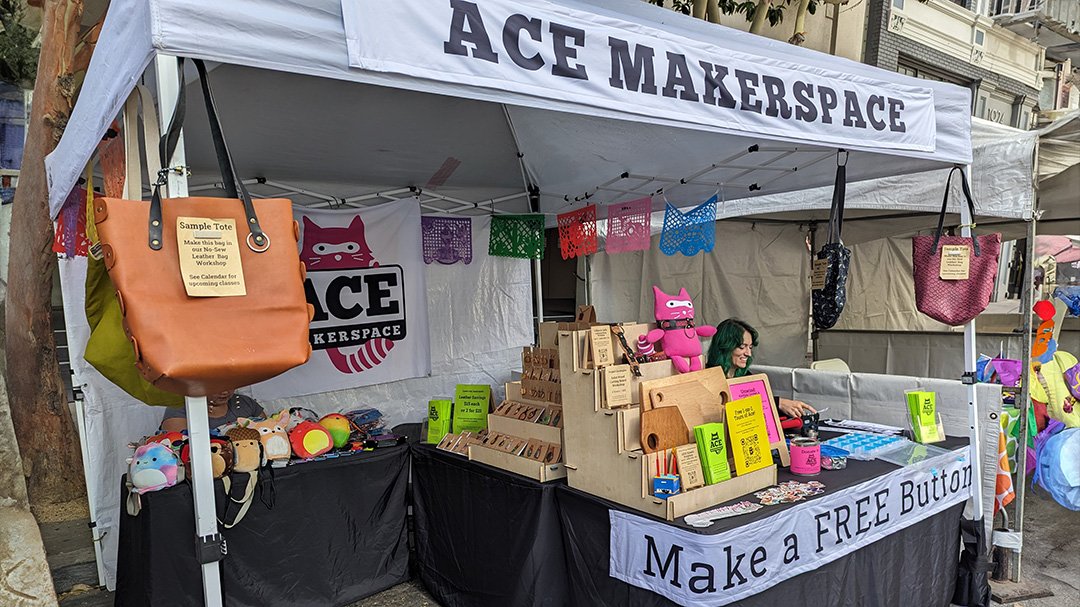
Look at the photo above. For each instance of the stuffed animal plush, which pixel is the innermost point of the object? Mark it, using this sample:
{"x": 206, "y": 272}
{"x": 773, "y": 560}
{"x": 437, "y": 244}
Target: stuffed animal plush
{"x": 339, "y": 428}
{"x": 221, "y": 457}
{"x": 152, "y": 467}
{"x": 677, "y": 334}
{"x": 310, "y": 440}
{"x": 272, "y": 435}
{"x": 247, "y": 449}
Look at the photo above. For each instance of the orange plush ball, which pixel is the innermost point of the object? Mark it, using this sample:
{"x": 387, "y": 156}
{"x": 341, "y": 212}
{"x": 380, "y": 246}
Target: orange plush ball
{"x": 338, "y": 425}
{"x": 309, "y": 439}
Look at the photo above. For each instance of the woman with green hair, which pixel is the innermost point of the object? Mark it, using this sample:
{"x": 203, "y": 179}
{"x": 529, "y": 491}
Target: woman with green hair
{"x": 732, "y": 348}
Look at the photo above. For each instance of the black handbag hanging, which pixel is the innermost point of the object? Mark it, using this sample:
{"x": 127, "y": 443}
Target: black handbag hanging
{"x": 830, "y": 269}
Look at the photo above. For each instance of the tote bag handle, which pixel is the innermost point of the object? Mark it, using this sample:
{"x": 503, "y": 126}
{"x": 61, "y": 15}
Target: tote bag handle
{"x": 836, "y": 212}
{"x": 257, "y": 241}
{"x": 945, "y": 205}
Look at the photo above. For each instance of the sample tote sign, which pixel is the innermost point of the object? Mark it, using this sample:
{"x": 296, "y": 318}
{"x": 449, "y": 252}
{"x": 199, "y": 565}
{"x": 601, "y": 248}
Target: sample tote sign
{"x": 695, "y": 569}
{"x": 540, "y": 48}
{"x": 365, "y": 278}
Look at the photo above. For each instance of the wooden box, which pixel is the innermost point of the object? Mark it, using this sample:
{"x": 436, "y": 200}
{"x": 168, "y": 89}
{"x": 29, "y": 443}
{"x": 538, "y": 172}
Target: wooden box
{"x": 519, "y": 465}
{"x": 524, "y": 429}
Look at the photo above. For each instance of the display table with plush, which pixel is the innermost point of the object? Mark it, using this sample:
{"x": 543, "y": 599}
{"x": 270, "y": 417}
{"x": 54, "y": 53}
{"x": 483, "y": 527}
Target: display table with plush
{"x": 336, "y": 533}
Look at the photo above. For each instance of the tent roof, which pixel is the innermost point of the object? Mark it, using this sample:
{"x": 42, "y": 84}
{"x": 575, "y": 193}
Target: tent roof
{"x": 297, "y": 114}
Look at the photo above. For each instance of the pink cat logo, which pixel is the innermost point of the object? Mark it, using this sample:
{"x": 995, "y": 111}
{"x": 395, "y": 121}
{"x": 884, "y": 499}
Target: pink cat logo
{"x": 363, "y": 307}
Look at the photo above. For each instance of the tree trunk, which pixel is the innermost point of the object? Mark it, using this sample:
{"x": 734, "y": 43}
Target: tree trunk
{"x": 799, "y": 35}
{"x": 47, "y": 439}
{"x": 760, "y": 13}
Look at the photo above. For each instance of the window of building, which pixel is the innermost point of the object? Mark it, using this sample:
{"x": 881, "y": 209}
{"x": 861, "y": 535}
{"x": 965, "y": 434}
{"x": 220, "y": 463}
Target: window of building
{"x": 898, "y": 4}
{"x": 910, "y": 67}
{"x": 980, "y": 108}
{"x": 979, "y": 36}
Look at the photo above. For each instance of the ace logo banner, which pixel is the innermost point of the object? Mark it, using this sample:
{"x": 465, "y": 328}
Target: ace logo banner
{"x": 696, "y": 569}
{"x": 365, "y": 279}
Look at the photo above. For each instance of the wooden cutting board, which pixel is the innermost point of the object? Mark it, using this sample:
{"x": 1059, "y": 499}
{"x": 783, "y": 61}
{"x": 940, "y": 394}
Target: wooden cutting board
{"x": 663, "y": 428}
{"x": 696, "y": 402}
{"x": 712, "y": 379}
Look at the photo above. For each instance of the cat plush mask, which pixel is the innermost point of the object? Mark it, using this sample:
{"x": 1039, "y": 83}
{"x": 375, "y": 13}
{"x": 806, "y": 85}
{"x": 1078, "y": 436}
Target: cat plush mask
{"x": 247, "y": 449}
{"x": 272, "y": 435}
{"x": 677, "y": 333}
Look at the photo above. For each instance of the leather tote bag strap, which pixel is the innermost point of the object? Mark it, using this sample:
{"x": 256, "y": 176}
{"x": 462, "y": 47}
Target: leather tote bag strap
{"x": 257, "y": 241}
{"x": 945, "y": 204}
{"x": 836, "y": 212}
{"x": 151, "y": 134}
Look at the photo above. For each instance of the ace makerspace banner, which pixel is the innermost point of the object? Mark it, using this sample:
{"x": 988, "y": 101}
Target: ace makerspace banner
{"x": 695, "y": 569}
{"x": 365, "y": 279}
{"x": 541, "y": 48}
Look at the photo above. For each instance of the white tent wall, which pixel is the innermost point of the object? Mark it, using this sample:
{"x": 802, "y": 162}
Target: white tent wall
{"x": 480, "y": 317}
{"x": 756, "y": 272}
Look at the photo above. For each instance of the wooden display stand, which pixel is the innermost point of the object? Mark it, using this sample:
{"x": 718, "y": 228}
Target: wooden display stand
{"x": 536, "y": 470}
{"x": 602, "y": 449}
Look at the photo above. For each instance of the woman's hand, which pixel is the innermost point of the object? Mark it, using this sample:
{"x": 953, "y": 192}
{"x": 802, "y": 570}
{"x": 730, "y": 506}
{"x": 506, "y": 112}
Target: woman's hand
{"x": 795, "y": 408}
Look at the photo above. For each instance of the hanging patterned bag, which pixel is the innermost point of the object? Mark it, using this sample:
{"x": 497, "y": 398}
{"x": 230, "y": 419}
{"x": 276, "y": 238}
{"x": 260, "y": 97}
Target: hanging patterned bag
{"x": 211, "y": 289}
{"x": 830, "y": 271}
{"x": 954, "y": 275}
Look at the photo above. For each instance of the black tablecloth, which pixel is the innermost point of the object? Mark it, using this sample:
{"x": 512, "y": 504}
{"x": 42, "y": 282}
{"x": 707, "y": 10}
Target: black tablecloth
{"x": 337, "y": 533}
{"x": 915, "y": 566}
{"x": 484, "y": 536}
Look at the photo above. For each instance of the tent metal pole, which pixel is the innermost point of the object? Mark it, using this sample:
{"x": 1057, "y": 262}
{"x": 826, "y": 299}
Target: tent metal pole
{"x": 198, "y": 422}
{"x": 1025, "y": 395}
{"x": 969, "y": 378}
{"x": 538, "y": 291}
{"x": 1027, "y": 293}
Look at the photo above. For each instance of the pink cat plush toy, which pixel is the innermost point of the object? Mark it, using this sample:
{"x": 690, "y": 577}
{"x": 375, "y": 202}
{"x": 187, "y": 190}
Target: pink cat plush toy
{"x": 676, "y": 333}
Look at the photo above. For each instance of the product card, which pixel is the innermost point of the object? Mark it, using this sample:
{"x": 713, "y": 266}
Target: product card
{"x": 817, "y": 277}
{"x": 471, "y": 406}
{"x": 617, "y": 386}
{"x": 209, "y": 257}
{"x": 602, "y": 352}
{"x": 749, "y": 434}
{"x": 690, "y": 473}
{"x": 955, "y": 260}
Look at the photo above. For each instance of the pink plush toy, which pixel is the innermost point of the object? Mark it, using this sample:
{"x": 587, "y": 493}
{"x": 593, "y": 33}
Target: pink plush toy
{"x": 676, "y": 333}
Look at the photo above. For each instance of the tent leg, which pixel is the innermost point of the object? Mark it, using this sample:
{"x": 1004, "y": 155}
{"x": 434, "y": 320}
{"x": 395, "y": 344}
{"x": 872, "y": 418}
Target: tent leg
{"x": 969, "y": 378}
{"x": 95, "y": 533}
{"x": 1026, "y": 293}
{"x": 202, "y": 489}
{"x": 210, "y": 547}
{"x": 538, "y": 292}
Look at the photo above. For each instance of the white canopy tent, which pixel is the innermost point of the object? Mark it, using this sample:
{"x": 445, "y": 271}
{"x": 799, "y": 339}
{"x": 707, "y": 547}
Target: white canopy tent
{"x": 302, "y": 122}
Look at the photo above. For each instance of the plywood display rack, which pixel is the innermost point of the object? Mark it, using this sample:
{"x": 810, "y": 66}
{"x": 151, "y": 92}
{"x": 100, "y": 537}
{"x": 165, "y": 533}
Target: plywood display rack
{"x": 601, "y": 447}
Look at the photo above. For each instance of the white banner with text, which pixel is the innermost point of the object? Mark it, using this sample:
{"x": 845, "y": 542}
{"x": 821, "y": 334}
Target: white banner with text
{"x": 557, "y": 52}
{"x": 698, "y": 569}
{"x": 365, "y": 279}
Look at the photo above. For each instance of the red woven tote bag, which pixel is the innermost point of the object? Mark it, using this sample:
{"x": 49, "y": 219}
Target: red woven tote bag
{"x": 954, "y": 302}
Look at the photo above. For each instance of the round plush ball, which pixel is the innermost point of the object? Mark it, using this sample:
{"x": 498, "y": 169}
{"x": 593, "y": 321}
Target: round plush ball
{"x": 338, "y": 425}
{"x": 309, "y": 439}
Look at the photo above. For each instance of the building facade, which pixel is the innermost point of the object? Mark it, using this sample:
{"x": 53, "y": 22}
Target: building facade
{"x": 957, "y": 42}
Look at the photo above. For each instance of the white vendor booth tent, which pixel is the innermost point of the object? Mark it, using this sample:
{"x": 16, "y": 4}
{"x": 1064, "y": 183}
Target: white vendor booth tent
{"x": 390, "y": 101}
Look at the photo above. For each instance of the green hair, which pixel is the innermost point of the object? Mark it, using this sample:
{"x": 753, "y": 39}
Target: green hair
{"x": 729, "y": 335}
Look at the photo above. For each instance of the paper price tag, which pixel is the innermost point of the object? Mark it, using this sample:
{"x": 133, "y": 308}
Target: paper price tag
{"x": 210, "y": 257}
{"x": 955, "y": 261}
{"x": 817, "y": 278}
